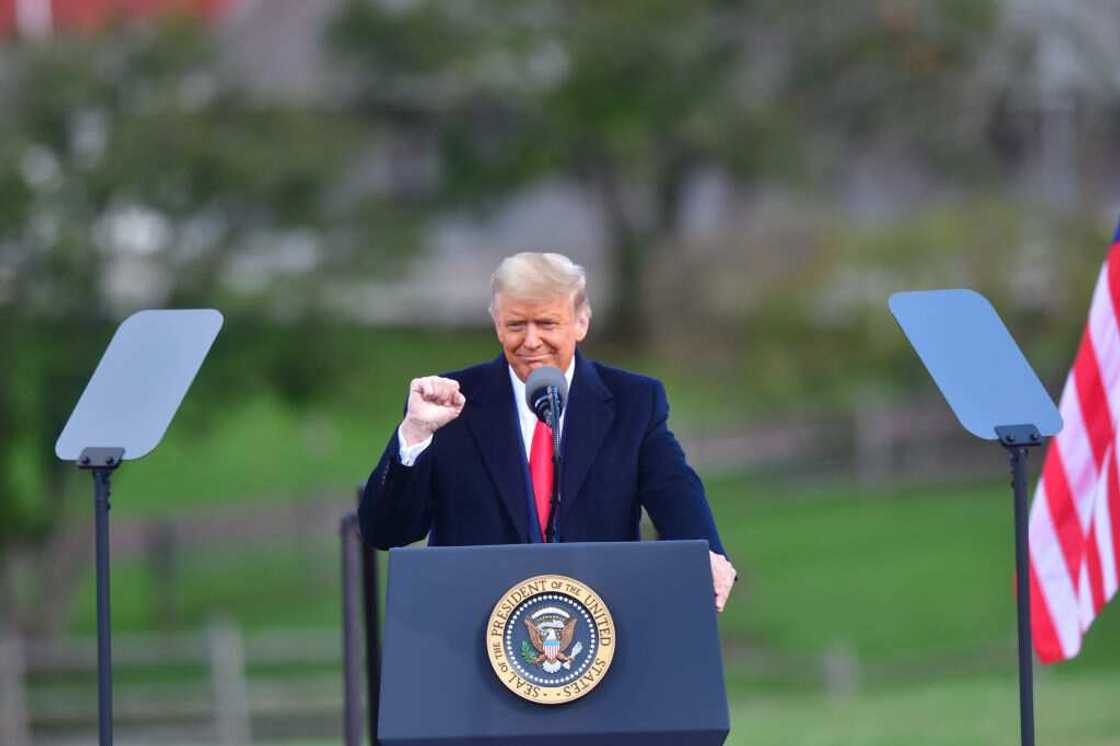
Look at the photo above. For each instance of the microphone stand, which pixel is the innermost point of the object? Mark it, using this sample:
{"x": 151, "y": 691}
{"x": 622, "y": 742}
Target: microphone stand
{"x": 551, "y": 532}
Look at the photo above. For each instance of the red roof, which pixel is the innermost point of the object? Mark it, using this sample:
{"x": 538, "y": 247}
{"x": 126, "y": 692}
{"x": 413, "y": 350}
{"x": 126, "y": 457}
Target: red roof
{"x": 90, "y": 15}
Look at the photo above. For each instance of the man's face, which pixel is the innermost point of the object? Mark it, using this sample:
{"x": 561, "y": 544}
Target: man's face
{"x": 538, "y": 332}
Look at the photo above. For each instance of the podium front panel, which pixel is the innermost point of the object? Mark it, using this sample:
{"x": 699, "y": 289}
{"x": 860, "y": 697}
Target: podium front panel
{"x": 664, "y": 685}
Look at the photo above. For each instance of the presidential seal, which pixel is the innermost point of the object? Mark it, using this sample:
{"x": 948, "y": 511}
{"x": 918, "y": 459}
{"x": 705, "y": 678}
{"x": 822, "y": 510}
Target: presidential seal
{"x": 550, "y": 639}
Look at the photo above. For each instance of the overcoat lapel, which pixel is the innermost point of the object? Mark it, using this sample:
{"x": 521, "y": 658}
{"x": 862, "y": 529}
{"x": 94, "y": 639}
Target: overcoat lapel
{"x": 588, "y": 418}
{"x": 492, "y": 421}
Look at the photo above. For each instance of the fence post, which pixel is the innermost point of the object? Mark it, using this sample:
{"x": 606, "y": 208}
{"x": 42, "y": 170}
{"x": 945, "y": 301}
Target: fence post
{"x": 14, "y": 720}
{"x": 160, "y": 547}
{"x": 873, "y": 440}
{"x": 841, "y": 670}
{"x": 231, "y": 690}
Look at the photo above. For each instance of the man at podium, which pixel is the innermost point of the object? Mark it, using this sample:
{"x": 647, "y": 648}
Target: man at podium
{"x": 472, "y": 464}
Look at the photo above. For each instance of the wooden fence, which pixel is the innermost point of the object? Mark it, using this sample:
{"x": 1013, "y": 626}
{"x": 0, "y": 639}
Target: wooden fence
{"x": 224, "y": 687}
{"x": 220, "y": 686}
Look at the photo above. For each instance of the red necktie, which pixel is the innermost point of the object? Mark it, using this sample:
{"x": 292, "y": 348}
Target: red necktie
{"x": 540, "y": 471}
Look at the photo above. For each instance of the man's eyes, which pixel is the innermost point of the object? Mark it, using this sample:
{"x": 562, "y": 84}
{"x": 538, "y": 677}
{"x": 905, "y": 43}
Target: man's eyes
{"x": 521, "y": 324}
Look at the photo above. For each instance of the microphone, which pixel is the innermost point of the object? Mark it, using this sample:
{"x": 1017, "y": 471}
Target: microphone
{"x": 545, "y": 392}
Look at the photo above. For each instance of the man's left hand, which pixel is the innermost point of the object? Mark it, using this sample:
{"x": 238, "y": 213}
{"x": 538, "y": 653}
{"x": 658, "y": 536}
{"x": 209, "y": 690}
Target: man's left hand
{"x": 723, "y": 576}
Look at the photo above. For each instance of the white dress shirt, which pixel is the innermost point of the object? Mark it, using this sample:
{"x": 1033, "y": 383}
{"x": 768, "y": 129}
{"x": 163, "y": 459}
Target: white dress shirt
{"x": 525, "y": 416}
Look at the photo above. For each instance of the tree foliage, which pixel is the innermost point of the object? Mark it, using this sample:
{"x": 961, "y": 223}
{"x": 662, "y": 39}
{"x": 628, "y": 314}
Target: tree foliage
{"x": 133, "y": 174}
{"x": 634, "y": 98}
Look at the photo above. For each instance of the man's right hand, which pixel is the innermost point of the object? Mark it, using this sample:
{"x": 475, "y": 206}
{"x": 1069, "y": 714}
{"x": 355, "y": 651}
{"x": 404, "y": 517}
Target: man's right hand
{"x": 432, "y": 403}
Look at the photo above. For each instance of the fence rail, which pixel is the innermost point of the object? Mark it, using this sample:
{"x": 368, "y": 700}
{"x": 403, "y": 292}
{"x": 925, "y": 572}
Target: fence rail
{"x": 220, "y": 686}
{"x": 230, "y": 688}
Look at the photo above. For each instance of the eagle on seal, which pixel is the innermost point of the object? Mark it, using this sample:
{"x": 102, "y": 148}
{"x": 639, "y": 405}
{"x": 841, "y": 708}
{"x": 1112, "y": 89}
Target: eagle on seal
{"x": 550, "y": 645}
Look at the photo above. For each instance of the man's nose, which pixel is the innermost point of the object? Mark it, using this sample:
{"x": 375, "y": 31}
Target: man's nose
{"x": 532, "y": 338}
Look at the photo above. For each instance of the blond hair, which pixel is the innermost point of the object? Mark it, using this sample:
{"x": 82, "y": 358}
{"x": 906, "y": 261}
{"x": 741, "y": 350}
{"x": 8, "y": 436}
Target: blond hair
{"x": 533, "y": 275}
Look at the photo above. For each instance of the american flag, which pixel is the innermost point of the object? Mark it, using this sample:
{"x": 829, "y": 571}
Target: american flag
{"x": 1075, "y": 518}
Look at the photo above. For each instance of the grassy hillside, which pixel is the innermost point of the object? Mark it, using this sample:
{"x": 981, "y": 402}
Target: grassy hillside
{"x": 1070, "y": 711}
{"x": 914, "y": 583}
{"x": 908, "y": 577}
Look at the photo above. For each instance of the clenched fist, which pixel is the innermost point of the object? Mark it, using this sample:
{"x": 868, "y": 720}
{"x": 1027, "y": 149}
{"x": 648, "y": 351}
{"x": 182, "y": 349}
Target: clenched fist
{"x": 432, "y": 403}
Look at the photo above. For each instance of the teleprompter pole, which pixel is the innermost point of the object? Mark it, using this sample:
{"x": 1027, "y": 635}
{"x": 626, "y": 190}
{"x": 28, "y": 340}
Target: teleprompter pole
{"x": 1017, "y": 440}
{"x": 101, "y": 462}
{"x": 125, "y": 409}
{"x": 104, "y": 641}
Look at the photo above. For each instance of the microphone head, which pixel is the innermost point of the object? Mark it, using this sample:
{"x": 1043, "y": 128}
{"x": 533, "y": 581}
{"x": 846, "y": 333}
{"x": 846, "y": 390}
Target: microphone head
{"x": 537, "y": 388}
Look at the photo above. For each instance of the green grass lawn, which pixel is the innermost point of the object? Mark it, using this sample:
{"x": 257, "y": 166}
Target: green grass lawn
{"x": 897, "y": 576}
{"x": 905, "y": 576}
{"x": 980, "y": 712}
{"x": 916, "y": 582}
{"x": 259, "y": 448}
{"x": 886, "y": 572}
{"x": 1070, "y": 711}
{"x": 261, "y": 589}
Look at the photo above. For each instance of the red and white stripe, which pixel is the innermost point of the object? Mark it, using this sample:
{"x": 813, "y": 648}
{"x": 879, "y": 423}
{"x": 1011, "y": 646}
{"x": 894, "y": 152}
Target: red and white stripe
{"x": 1075, "y": 518}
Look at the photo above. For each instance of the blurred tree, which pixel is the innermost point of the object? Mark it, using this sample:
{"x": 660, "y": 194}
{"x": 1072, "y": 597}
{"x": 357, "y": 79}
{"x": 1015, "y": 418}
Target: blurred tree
{"x": 632, "y": 98}
{"x": 132, "y": 175}
{"x": 922, "y": 76}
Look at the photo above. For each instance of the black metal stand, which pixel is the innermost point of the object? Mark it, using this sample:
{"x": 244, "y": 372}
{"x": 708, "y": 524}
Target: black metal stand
{"x": 371, "y": 595}
{"x": 101, "y": 462}
{"x": 1017, "y": 439}
{"x": 354, "y": 552}
{"x": 351, "y": 654}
